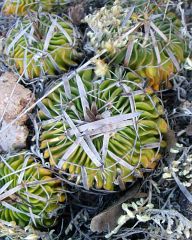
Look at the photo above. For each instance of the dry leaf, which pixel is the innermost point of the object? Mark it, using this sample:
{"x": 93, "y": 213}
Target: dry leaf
{"x": 107, "y": 220}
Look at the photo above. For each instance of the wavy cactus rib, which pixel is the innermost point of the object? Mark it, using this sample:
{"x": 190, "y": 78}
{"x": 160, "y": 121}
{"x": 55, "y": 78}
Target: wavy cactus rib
{"x": 44, "y": 45}
{"x": 99, "y": 132}
{"x": 28, "y": 192}
{"x": 22, "y": 7}
{"x": 142, "y": 37}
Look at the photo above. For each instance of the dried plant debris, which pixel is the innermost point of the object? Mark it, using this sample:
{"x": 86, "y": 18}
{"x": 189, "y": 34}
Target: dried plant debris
{"x": 14, "y": 98}
{"x": 78, "y": 9}
{"x": 182, "y": 165}
{"x": 77, "y": 13}
{"x": 180, "y": 171}
{"x": 157, "y": 223}
{"x": 13, "y": 232}
{"x": 107, "y": 220}
{"x": 134, "y": 36}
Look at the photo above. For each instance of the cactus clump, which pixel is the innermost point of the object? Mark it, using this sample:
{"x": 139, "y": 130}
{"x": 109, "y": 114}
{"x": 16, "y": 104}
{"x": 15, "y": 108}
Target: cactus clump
{"x": 29, "y": 193}
{"x": 142, "y": 37}
{"x": 22, "y": 7}
{"x": 102, "y": 130}
{"x": 44, "y": 45}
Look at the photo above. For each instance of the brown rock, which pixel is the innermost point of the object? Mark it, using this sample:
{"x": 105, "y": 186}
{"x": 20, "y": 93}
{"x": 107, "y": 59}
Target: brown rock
{"x": 13, "y": 137}
{"x": 14, "y": 98}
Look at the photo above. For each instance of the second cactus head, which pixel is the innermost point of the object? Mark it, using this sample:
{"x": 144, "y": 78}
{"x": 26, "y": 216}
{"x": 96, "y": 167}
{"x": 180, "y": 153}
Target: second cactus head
{"x": 22, "y": 7}
{"x": 43, "y": 45}
{"x": 141, "y": 36}
{"x": 29, "y": 192}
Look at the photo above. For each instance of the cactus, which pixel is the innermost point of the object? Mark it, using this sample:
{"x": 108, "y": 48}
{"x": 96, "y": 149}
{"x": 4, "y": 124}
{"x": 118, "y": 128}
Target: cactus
{"x": 46, "y": 45}
{"x": 143, "y": 39}
{"x": 22, "y": 7}
{"x": 29, "y": 193}
{"x": 100, "y": 132}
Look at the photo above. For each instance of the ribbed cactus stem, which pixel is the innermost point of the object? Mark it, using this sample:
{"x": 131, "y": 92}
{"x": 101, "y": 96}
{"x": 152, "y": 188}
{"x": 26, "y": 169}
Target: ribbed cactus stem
{"x": 142, "y": 38}
{"x": 31, "y": 195}
{"x": 46, "y": 45}
{"x": 22, "y": 7}
{"x": 100, "y": 130}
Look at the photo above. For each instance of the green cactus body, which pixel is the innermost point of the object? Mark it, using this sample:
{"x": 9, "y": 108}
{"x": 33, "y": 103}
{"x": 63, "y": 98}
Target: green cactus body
{"x": 142, "y": 38}
{"x": 47, "y": 45}
{"x": 31, "y": 194}
{"x": 22, "y": 7}
{"x": 99, "y": 130}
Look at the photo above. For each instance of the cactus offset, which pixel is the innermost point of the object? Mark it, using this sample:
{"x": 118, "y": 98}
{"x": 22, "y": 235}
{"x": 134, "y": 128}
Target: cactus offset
{"x": 31, "y": 195}
{"x": 142, "y": 38}
{"x": 22, "y": 7}
{"x": 46, "y": 45}
{"x": 99, "y": 131}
